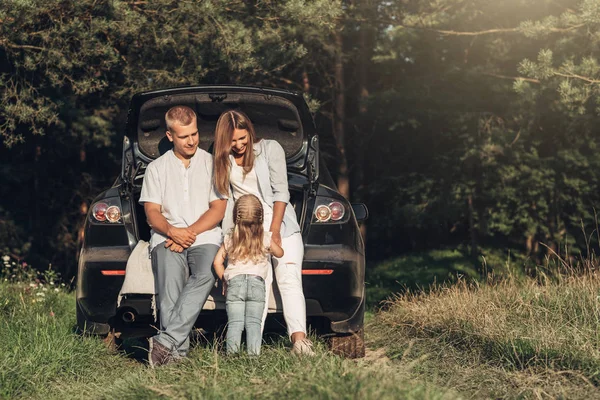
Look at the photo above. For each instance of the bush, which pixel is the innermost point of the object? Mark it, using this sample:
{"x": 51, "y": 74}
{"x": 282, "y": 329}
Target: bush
{"x": 16, "y": 271}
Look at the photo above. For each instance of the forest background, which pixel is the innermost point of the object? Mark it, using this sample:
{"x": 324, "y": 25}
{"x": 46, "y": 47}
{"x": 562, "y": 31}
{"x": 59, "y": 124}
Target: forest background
{"x": 469, "y": 128}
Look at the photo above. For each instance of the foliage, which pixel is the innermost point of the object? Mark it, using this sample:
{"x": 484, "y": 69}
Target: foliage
{"x": 15, "y": 271}
{"x": 70, "y": 68}
{"x": 482, "y": 145}
{"x": 87, "y": 58}
{"x": 470, "y": 125}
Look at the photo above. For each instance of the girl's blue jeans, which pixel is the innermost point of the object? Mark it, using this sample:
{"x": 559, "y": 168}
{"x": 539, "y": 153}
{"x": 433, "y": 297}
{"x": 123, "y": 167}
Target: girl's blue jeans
{"x": 245, "y": 303}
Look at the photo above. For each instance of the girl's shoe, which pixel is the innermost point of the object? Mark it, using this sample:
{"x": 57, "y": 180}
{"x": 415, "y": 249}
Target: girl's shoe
{"x": 303, "y": 347}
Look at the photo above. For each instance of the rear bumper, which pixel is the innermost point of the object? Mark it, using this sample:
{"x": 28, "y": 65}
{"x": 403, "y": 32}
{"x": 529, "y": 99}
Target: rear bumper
{"x": 97, "y": 293}
{"x": 136, "y": 314}
{"x": 337, "y": 299}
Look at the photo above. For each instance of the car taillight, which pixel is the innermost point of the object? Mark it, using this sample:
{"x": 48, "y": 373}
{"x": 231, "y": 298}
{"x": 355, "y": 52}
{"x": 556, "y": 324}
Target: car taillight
{"x": 337, "y": 210}
{"x": 323, "y": 213}
{"x": 329, "y": 210}
{"x": 113, "y": 214}
{"x": 99, "y": 211}
{"x": 108, "y": 210}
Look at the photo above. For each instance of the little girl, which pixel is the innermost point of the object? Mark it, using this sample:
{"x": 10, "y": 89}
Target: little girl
{"x": 247, "y": 249}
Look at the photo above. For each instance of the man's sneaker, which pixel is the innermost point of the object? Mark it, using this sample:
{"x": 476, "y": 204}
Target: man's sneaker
{"x": 303, "y": 347}
{"x": 158, "y": 354}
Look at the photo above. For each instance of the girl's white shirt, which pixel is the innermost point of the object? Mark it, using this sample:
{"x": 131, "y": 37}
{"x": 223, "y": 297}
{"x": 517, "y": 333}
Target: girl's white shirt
{"x": 239, "y": 267}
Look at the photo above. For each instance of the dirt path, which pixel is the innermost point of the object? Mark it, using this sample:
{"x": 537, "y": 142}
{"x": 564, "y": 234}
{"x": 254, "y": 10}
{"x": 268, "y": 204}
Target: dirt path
{"x": 376, "y": 356}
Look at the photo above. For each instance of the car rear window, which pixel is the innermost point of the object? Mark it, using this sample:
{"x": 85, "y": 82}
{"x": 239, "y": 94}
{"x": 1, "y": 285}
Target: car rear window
{"x": 273, "y": 118}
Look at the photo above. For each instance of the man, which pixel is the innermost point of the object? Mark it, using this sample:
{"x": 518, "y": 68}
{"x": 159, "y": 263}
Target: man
{"x": 184, "y": 211}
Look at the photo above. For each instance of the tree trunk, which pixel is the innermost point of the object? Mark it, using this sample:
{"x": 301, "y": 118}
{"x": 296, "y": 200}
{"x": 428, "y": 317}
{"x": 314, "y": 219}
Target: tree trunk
{"x": 472, "y": 228}
{"x": 366, "y": 45}
{"x": 305, "y": 82}
{"x": 339, "y": 116}
{"x": 83, "y": 209}
{"x": 36, "y": 223}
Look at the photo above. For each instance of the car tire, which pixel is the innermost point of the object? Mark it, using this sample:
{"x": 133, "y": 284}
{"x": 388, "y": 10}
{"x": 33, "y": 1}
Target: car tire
{"x": 81, "y": 321}
{"x": 89, "y": 328}
{"x": 348, "y": 345}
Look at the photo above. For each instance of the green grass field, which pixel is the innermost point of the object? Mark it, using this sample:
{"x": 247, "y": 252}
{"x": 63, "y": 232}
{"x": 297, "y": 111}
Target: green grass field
{"x": 42, "y": 357}
{"x": 506, "y": 339}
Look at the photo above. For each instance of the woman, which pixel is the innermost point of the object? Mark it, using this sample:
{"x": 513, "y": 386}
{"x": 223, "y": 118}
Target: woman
{"x": 243, "y": 165}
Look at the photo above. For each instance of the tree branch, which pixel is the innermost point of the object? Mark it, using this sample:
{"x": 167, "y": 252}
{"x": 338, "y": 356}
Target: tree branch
{"x": 474, "y": 33}
{"x": 575, "y": 76}
{"x": 488, "y": 31}
{"x": 20, "y": 46}
{"x": 514, "y": 78}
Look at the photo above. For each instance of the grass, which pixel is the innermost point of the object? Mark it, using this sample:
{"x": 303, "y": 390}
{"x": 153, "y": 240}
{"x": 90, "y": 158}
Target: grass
{"x": 511, "y": 337}
{"x": 42, "y": 357}
{"x": 506, "y": 339}
{"x": 414, "y": 271}
{"x": 418, "y": 271}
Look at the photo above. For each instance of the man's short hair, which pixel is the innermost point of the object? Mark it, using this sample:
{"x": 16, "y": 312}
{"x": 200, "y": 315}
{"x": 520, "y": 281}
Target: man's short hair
{"x": 182, "y": 115}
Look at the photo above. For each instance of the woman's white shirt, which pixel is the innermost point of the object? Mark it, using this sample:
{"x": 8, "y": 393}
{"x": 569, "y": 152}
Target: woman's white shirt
{"x": 271, "y": 172}
{"x": 248, "y": 184}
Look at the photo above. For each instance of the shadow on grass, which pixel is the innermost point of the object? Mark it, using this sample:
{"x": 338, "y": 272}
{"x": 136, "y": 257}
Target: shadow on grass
{"x": 136, "y": 347}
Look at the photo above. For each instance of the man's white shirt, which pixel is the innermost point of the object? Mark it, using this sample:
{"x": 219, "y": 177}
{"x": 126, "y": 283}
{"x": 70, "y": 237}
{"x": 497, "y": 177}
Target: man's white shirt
{"x": 184, "y": 194}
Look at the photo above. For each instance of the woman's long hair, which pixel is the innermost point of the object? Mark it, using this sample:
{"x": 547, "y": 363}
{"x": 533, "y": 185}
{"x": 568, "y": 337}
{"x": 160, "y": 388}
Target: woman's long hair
{"x": 227, "y": 123}
{"x": 247, "y": 237}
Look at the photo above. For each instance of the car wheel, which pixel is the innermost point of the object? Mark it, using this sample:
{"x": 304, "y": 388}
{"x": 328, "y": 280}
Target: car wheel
{"x": 348, "y": 345}
{"x": 81, "y": 321}
{"x": 86, "y": 327}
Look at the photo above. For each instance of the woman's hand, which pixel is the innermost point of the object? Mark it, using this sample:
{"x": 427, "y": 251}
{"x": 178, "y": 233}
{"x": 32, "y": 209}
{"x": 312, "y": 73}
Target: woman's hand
{"x": 276, "y": 237}
{"x": 275, "y": 228}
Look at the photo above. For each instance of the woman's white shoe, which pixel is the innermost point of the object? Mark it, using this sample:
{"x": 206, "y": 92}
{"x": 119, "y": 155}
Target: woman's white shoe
{"x": 303, "y": 347}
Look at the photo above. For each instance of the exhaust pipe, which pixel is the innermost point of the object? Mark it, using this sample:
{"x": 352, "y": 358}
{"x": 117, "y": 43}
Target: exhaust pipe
{"x": 128, "y": 317}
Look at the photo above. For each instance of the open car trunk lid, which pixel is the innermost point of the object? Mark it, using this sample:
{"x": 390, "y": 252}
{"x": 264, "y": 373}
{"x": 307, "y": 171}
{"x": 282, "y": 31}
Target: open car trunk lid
{"x": 276, "y": 114}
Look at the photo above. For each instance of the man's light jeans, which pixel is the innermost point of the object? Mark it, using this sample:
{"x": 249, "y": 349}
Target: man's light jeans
{"x": 183, "y": 283}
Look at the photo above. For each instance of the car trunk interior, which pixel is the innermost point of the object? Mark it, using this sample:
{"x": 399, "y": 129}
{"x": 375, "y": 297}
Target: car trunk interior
{"x": 273, "y": 118}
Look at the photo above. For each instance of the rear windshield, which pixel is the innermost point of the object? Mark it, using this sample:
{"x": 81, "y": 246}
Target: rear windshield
{"x": 273, "y": 118}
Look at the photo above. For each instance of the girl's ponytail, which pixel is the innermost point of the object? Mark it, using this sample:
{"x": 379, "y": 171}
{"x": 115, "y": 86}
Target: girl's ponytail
{"x": 248, "y": 231}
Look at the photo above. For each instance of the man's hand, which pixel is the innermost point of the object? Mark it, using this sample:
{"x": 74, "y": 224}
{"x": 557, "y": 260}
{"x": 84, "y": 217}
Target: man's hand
{"x": 184, "y": 237}
{"x": 224, "y": 290}
{"x": 171, "y": 245}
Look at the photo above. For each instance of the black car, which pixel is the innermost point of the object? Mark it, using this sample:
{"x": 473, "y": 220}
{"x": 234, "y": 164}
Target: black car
{"x": 334, "y": 259}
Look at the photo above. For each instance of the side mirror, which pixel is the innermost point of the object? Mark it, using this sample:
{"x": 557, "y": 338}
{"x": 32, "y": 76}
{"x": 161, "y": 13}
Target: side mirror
{"x": 360, "y": 211}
